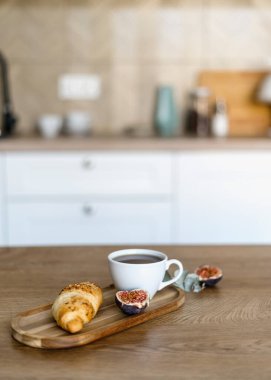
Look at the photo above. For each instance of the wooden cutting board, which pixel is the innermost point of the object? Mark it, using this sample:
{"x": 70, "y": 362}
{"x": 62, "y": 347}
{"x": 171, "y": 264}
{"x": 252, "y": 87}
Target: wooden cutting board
{"x": 248, "y": 117}
{"x": 37, "y": 328}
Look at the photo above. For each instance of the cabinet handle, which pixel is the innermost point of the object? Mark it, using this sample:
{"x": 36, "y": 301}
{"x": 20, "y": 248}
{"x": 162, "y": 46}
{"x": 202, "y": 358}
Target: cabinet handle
{"x": 87, "y": 164}
{"x": 88, "y": 210}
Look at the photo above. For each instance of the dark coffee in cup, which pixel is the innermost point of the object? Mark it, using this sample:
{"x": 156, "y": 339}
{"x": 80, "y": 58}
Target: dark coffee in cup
{"x": 138, "y": 259}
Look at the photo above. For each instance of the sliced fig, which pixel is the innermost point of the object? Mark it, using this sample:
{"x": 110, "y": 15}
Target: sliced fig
{"x": 209, "y": 275}
{"x": 132, "y": 301}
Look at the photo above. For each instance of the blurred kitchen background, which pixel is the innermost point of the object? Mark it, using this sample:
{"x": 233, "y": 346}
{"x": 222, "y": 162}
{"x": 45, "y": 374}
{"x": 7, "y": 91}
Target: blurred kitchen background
{"x": 183, "y": 86}
{"x": 132, "y": 46}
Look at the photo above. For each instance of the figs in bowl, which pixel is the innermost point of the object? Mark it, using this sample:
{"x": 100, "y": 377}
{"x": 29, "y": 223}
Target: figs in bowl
{"x": 132, "y": 301}
{"x": 209, "y": 275}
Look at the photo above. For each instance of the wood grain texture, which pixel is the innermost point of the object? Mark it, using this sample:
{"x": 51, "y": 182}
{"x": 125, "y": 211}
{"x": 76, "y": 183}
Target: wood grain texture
{"x": 248, "y": 117}
{"x": 62, "y": 144}
{"x": 37, "y": 328}
{"x": 221, "y": 333}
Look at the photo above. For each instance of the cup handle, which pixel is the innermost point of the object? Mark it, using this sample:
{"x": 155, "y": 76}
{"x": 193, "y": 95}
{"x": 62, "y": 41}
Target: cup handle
{"x": 174, "y": 279}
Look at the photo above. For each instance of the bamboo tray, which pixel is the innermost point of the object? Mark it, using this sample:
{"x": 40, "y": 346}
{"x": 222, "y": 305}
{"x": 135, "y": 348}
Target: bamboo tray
{"x": 37, "y": 328}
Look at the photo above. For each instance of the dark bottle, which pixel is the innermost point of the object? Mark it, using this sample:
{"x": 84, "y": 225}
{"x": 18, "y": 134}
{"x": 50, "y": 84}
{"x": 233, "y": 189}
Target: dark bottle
{"x": 198, "y": 119}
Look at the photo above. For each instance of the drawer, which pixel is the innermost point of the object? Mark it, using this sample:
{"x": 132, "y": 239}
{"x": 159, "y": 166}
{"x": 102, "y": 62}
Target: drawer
{"x": 84, "y": 222}
{"x": 88, "y": 173}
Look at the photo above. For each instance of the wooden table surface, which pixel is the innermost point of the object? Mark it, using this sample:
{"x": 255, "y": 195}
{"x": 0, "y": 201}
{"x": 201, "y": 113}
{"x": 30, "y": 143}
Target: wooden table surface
{"x": 220, "y": 333}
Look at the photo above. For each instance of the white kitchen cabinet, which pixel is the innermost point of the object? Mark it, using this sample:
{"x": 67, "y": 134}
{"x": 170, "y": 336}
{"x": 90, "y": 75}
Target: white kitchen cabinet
{"x": 2, "y": 202}
{"x": 89, "y": 222}
{"x": 223, "y": 197}
{"x": 101, "y": 173}
{"x": 89, "y": 198}
{"x": 189, "y": 197}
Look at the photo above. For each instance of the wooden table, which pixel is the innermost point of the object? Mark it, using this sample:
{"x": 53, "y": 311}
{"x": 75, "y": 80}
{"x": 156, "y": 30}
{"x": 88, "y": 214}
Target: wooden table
{"x": 221, "y": 333}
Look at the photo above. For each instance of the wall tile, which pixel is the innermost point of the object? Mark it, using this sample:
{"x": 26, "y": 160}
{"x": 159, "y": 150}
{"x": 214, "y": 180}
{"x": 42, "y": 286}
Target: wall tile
{"x": 31, "y": 31}
{"x": 261, "y": 3}
{"x": 135, "y": 4}
{"x": 178, "y": 35}
{"x": 240, "y": 64}
{"x": 237, "y": 34}
{"x": 148, "y": 34}
{"x": 125, "y": 26}
{"x": 87, "y": 32}
{"x": 171, "y": 35}
{"x": 226, "y": 3}
{"x": 156, "y": 3}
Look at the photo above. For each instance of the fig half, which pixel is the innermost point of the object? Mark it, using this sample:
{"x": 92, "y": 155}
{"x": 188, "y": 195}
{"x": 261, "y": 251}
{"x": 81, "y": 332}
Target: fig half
{"x": 132, "y": 301}
{"x": 209, "y": 275}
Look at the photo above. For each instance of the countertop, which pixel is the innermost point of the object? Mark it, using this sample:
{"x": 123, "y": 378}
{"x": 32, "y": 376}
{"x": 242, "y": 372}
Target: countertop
{"x": 36, "y": 143}
{"x": 220, "y": 333}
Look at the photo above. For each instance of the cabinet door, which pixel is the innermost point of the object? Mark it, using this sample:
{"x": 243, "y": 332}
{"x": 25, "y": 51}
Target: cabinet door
{"x": 2, "y": 187}
{"x": 49, "y": 223}
{"x": 224, "y": 197}
{"x": 86, "y": 173}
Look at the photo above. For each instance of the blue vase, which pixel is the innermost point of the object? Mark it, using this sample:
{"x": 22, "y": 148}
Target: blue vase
{"x": 166, "y": 117}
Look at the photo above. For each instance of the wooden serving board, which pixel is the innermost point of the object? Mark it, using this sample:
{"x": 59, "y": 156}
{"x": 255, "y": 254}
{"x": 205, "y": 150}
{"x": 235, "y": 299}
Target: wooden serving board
{"x": 248, "y": 117}
{"x": 37, "y": 328}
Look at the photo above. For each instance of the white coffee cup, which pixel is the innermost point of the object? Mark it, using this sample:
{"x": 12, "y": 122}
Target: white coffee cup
{"x": 147, "y": 276}
{"x": 50, "y": 125}
{"x": 78, "y": 123}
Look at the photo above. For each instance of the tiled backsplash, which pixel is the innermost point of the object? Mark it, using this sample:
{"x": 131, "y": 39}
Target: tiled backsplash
{"x": 133, "y": 45}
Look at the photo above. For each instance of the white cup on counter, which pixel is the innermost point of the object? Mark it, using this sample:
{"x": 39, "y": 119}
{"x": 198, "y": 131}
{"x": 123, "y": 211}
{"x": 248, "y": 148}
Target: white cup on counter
{"x": 78, "y": 123}
{"x": 141, "y": 269}
{"x": 50, "y": 125}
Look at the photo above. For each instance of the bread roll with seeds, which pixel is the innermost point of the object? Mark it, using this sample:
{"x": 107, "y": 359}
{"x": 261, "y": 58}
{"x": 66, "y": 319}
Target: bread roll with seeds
{"x": 76, "y": 305}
